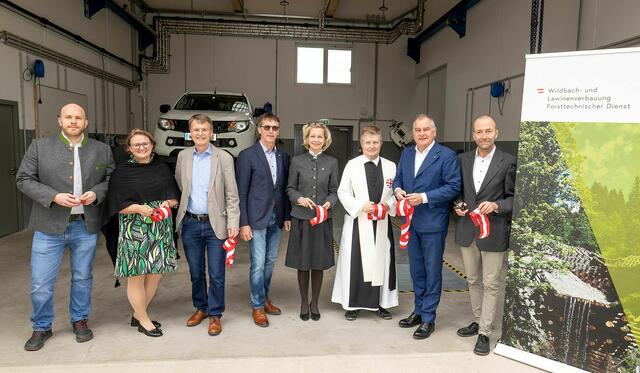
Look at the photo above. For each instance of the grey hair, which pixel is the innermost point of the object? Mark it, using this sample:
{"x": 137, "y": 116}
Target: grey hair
{"x": 423, "y": 117}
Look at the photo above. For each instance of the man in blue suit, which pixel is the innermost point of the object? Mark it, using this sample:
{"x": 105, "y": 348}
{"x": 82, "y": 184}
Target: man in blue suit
{"x": 428, "y": 176}
{"x": 262, "y": 172}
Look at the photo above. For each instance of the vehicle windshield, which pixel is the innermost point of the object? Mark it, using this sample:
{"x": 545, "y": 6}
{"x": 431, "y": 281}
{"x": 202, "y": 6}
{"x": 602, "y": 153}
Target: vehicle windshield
{"x": 210, "y": 102}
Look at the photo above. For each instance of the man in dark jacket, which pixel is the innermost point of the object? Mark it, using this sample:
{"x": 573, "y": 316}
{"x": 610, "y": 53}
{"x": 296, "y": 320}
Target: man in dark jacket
{"x": 262, "y": 172}
{"x": 488, "y": 180}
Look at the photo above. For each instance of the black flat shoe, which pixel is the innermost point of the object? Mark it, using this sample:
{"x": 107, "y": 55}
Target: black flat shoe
{"x": 304, "y": 316}
{"x": 351, "y": 315}
{"x": 469, "y": 331}
{"x": 424, "y": 330}
{"x": 150, "y": 333}
{"x": 314, "y": 316}
{"x": 384, "y": 314}
{"x": 410, "y": 321}
{"x": 135, "y": 323}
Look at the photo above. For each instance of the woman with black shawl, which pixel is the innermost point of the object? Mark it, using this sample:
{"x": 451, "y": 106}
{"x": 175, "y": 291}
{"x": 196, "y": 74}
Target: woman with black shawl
{"x": 145, "y": 247}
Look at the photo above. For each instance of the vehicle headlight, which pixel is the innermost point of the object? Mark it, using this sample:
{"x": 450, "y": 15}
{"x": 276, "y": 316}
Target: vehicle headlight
{"x": 238, "y": 126}
{"x": 166, "y": 124}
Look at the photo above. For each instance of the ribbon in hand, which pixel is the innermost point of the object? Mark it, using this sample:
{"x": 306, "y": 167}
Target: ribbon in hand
{"x": 158, "y": 214}
{"x": 481, "y": 221}
{"x": 230, "y": 247}
{"x": 379, "y": 212}
{"x": 321, "y": 216}
{"x": 404, "y": 208}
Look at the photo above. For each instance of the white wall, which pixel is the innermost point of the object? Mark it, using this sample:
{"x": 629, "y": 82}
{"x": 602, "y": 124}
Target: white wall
{"x": 495, "y": 45}
{"x": 107, "y": 102}
{"x": 497, "y": 38}
{"x": 249, "y": 65}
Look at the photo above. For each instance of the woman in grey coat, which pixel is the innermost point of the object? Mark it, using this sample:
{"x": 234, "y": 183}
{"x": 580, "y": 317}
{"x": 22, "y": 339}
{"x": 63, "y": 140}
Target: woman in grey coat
{"x": 313, "y": 181}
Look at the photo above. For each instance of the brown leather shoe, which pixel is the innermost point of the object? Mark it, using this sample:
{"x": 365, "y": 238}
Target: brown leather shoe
{"x": 260, "y": 318}
{"x": 215, "y": 325}
{"x": 196, "y": 318}
{"x": 270, "y": 309}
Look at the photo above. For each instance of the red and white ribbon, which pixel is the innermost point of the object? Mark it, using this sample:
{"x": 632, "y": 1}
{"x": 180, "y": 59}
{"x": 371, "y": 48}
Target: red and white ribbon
{"x": 379, "y": 212}
{"x": 160, "y": 213}
{"x": 481, "y": 221}
{"x": 404, "y": 208}
{"x": 321, "y": 216}
{"x": 229, "y": 246}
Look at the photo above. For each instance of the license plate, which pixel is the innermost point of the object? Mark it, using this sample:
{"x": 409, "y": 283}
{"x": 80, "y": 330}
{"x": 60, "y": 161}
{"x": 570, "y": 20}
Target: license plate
{"x": 187, "y": 137}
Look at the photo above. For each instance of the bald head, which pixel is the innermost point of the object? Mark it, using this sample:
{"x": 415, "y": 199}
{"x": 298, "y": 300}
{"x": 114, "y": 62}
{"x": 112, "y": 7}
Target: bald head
{"x": 72, "y": 107}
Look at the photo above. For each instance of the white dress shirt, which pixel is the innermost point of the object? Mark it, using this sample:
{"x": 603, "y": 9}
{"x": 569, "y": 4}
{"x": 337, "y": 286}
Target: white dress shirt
{"x": 77, "y": 175}
{"x": 420, "y": 157}
{"x": 480, "y": 167}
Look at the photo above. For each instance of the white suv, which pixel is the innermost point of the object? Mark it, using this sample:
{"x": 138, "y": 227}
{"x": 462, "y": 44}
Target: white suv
{"x": 231, "y": 114}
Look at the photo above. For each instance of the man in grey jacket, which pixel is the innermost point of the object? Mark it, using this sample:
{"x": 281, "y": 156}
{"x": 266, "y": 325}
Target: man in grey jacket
{"x": 66, "y": 176}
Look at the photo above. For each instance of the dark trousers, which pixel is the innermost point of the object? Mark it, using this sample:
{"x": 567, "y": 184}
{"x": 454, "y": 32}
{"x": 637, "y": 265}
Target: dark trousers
{"x": 199, "y": 241}
{"x": 425, "y": 265}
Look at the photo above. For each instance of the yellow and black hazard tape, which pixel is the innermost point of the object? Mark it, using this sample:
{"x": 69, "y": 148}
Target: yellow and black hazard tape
{"x": 455, "y": 270}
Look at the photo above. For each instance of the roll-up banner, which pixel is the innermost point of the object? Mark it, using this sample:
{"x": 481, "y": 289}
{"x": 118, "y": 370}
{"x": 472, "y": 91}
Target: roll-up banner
{"x": 573, "y": 287}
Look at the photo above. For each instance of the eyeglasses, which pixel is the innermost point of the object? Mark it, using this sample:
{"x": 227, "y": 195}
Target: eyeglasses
{"x": 141, "y": 145}
{"x": 271, "y": 128}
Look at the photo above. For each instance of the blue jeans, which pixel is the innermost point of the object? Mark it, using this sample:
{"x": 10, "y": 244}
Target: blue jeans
{"x": 425, "y": 265}
{"x": 46, "y": 254}
{"x": 199, "y": 240}
{"x": 264, "y": 253}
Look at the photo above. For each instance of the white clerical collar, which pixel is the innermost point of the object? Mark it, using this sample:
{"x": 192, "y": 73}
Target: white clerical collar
{"x": 374, "y": 161}
{"x": 488, "y": 156}
{"x": 427, "y": 149}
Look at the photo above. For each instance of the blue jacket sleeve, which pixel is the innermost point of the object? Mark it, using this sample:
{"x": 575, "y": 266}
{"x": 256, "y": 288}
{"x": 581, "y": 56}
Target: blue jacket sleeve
{"x": 451, "y": 182}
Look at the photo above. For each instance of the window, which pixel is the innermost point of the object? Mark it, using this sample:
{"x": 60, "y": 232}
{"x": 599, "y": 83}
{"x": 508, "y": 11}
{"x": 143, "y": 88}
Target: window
{"x": 323, "y": 65}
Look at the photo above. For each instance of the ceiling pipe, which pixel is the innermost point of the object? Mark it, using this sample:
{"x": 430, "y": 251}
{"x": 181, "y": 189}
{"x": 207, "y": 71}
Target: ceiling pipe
{"x": 164, "y": 26}
{"x": 456, "y": 18}
{"x": 44, "y": 22}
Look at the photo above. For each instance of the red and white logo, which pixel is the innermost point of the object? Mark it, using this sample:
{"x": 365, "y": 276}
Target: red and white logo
{"x": 540, "y": 90}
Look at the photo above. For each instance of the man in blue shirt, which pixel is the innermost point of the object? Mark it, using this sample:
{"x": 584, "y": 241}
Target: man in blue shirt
{"x": 208, "y": 214}
{"x": 262, "y": 175}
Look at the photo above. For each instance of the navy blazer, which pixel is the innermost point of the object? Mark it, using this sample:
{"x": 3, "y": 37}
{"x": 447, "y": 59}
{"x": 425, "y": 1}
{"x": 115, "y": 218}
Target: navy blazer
{"x": 258, "y": 195}
{"x": 439, "y": 177}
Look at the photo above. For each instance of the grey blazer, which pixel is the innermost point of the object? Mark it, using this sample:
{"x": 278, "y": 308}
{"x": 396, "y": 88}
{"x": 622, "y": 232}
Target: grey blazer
{"x": 47, "y": 169}
{"x": 315, "y": 179}
{"x": 223, "y": 203}
{"x": 497, "y": 186}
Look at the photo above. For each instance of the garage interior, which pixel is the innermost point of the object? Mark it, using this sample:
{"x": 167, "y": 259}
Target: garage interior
{"x": 122, "y": 59}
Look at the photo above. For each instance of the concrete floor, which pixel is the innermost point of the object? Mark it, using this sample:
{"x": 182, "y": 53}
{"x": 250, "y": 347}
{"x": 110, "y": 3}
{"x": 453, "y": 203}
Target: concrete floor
{"x": 368, "y": 344}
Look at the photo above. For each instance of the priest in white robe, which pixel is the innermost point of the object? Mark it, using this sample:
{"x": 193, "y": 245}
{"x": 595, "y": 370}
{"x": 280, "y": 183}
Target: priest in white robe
{"x": 366, "y": 271}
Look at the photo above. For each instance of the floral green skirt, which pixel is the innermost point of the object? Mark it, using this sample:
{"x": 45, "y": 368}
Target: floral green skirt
{"x": 145, "y": 247}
